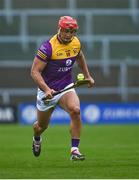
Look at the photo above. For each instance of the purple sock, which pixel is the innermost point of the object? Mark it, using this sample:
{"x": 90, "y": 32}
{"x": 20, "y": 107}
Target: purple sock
{"x": 75, "y": 142}
{"x": 37, "y": 138}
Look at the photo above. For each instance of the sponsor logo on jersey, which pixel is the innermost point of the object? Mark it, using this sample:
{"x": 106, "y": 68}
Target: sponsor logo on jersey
{"x": 64, "y": 69}
{"x": 68, "y": 62}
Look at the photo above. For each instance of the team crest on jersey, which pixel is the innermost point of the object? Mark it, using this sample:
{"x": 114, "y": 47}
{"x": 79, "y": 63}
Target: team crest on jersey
{"x": 67, "y": 53}
{"x": 68, "y": 62}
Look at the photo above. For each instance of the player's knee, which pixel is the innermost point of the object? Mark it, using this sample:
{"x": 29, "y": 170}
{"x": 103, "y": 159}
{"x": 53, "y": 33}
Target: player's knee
{"x": 75, "y": 111}
{"x": 43, "y": 127}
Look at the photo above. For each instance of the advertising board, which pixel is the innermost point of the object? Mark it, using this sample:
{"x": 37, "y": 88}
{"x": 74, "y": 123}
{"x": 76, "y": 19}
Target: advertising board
{"x": 102, "y": 113}
{"x": 8, "y": 114}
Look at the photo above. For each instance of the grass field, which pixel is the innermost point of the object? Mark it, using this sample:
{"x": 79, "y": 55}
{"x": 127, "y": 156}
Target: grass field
{"x": 111, "y": 152}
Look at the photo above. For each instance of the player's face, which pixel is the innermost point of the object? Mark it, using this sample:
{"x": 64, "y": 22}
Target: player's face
{"x": 66, "y": 35}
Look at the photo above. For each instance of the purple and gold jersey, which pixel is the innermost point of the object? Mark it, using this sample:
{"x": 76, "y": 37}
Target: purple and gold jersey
{"x": 60, "y": 59}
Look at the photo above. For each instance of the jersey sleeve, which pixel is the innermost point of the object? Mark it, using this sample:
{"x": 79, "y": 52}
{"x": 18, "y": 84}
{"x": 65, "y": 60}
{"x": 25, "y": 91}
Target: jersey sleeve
{"x": 44, "y": 52}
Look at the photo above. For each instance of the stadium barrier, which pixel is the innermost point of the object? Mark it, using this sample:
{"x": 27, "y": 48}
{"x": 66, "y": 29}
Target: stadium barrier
{"x": 101, "y": 113}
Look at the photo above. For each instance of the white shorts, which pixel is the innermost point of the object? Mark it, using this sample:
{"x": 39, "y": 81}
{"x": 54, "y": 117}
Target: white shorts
{"x": 41, "y": 106}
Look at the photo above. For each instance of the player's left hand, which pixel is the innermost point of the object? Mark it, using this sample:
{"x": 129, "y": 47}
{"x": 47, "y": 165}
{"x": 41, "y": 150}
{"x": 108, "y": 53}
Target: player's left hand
{"x": 91, "y": 81}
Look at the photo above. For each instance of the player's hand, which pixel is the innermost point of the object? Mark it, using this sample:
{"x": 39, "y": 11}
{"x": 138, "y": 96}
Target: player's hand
{"x": 49, "y": 93}
{"x": 91, "y": 81}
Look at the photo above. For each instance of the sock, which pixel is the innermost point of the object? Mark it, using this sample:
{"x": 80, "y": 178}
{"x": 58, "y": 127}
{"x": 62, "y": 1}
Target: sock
{"x": 37, "y": 138}
{"x": 75, "y": 143}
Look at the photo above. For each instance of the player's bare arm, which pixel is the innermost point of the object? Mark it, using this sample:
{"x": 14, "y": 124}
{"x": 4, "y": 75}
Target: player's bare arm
{"x": 83, "y": 66}
{"x": 36, "y": 71}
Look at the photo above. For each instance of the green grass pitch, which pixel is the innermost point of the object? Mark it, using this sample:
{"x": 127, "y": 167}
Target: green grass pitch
{"x": 112, "y": 151}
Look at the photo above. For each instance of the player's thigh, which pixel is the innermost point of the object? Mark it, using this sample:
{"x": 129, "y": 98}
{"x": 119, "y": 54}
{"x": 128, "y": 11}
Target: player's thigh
{"x": 70, "y": 101}
{"x": 43, "y": 117}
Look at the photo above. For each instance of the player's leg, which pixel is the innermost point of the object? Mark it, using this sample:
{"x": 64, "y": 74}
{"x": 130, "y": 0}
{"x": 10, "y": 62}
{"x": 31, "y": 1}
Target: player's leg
{"x": 43, "y": 118}
{"x": 71, "y": 104}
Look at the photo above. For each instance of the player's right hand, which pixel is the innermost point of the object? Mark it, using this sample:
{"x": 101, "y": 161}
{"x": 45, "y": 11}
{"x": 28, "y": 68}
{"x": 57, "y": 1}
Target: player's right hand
{"x": 49, "y": 93}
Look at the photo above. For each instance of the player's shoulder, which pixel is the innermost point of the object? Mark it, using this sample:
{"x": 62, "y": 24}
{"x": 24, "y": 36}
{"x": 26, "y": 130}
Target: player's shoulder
{"x": 53, "y": 39}
{"x": 76, "y": 42}
{"x": 76, "y": 38}
{"x": 46, "y": 48}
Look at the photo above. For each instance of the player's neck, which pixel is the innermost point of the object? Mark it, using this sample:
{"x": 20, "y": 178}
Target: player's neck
{"x": 59, "y": 39}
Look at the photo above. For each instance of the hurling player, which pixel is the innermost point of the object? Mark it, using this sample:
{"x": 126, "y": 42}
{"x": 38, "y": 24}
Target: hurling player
{"x": 52, "y": 71}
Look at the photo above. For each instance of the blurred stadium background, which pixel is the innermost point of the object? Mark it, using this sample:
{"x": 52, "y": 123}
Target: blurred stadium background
{"x": 109, "y": 32}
